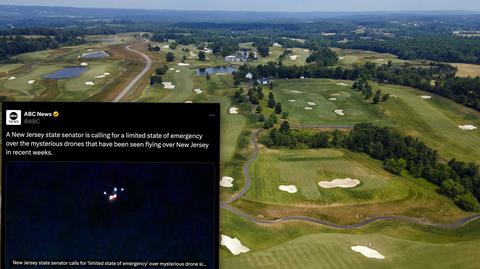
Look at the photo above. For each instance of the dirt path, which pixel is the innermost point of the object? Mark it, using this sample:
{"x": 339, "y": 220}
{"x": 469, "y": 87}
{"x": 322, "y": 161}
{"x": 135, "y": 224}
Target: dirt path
{"x": 248, "y": 181}
{"x": 148, "y": 65}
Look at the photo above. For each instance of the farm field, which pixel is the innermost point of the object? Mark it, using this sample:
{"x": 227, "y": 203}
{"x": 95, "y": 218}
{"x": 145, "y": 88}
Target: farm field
{"x": 467, "y": 70}
{"x": 348, "y": 57}
{"x": 435, "y": 121}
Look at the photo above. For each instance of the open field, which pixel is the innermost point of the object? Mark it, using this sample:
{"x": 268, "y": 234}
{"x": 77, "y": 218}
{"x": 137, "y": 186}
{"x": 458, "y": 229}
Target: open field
{"x": 435, "y": 121}
{"x": 349, "y": 57}
{"x": 467, "y": 70}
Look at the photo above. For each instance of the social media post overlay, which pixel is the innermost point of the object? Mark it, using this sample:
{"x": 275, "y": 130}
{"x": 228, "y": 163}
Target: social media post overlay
{"x": 110, "y": 185}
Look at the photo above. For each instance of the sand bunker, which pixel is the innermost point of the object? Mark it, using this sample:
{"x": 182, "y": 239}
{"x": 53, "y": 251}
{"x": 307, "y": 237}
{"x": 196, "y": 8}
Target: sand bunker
{"x": 171, "y": 69}
{"x": 234, "y": 245}
{"x": 467, "y": 127}
{"x": 102, "y": 76}
{"x": 368, "y": 252}
{"x": 425, "y": 97}
{"x": 311, "y": 104}
{"x": 12, "y": 78}
{"x": 339, "y": 112}
{"x": 288, "y": 188}
{"x": 90, "y": 50}
{"x": 294, "y": 57}
{"x": 296, "y": 91}
{"x": 168, "y": 85}
{"x": 341, "y": 58}
{"x": 292, "y": 100}
{"x": 308, "y": 108}
{"x": 332, "y": 99}
{"x": 233, "y": 110}
{"x": 166, "y": 47}
{"x": 177, "y": 71}
{"x": 198, "y": 91}
{"x": 188, "y": 102}
{"x": 276, "y": 44}
{"x": 342, "y": 84}
{"x": 84, "y": 64}
{"x": 339, "y": 183}
{"x": 31, "y": 81}
{"x": 90, "y": 83}
{"x": 183, "y": 64}
{"x": 393, "y": 95}
{"x": 335, "y": 94}
{"x": 226, "y": 182}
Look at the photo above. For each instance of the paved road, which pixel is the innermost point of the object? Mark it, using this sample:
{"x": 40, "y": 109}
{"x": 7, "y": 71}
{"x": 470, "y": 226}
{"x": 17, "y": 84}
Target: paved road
{"x": 254, "y": 139}
{"x": 148, "y": 65}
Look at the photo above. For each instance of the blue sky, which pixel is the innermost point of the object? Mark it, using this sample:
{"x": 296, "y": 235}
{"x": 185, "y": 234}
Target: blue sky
{"x": 265, "y": 5}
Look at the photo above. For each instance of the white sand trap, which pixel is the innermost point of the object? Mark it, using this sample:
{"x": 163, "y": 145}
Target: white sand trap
{"x": 332, "y": 99}
{"x": 296, "y": 91}
{"x": 106, "y": 74}
{"x": 339, "y": 183}
{"x": 168, "y": 85}
{"x": 102, "y": 76}
{"x": 84, "y": 64}
{"x": 234, "y": 245}
{"x": 339, "y": 112}
{"x": 198, "y": 91}
{"x": 12, "y": 78}
{"x": 425, "y": 97}
{"x": 311, "y": 104}
{"x": 292, "y": 100}
{"x": 276, "y": 44}
{"x": 342, "y": 84}
{"x": 335, "y": 94}
{"x": 188, "y": 102}
{"x": 171, "y": 69}
{"x": 166, "y": 47}
{"x": 32, "y": 81}
{"x": 90, "y": 83}
{"x": 393, "y": 95}
{"x": 183, "y": 64}
{"x": 467, "y": 127}
{"x": 221, "y": 74}
{"x": 368, "y": 252}
{"x": 177, "y": 71}
{"x": 90, "y": 50}
{"x": 233, "y": 110}
{"x": 341, "y": 58}
{"x": 294, "y": 57}
{"x": 226, "y": 182}
{"x": 308, "y": 108}
{"x": 306, "y": 50}
{"x": 288, "y": 188}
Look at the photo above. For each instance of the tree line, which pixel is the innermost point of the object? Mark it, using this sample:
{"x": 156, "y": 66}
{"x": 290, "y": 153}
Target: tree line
{"x": 457, "y": 179}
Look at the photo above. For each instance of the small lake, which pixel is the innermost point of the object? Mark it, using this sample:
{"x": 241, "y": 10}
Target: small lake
{"x": 67, "y": 72}
{"x": 95, "y": 55}
{"x": 215, "y": 70}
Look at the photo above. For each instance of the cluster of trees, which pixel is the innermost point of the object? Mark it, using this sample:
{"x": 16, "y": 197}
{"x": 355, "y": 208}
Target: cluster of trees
{"x": 443, "y": 48}
{"x": 156, "y": 78}
{"x": 170, "y": 57}
{"x": 323, "y": 56}
{"x": 458, "y": 180}
{"x": 153, "y": 48}
{"x": 436, "y": 78}
{"x": 367, "y": 91}
{"x": 263, "y": 46}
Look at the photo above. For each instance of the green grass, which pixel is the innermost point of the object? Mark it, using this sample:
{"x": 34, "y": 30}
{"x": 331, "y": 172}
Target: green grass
{"x": 300, "y": 60}
{"x": 304, "y": 245}
{"x": 305, "y": 168}
{"x": 349, "y": 57}
{"x": 434, "y": 121}
{"x": 6, "y": 68}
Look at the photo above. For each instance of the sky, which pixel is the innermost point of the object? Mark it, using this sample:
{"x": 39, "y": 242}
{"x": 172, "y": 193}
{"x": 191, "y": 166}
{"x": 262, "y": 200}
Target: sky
{"x": 264, "y": 5}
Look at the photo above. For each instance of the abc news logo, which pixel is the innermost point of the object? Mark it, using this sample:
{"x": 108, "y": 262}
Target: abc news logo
{"x": 14, "y": 117}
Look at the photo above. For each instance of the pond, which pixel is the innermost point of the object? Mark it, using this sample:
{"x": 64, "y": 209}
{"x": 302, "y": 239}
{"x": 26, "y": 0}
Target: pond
{"x": 67, "y": 72}
{"x": 215, "y": 70}
{"x": 95, "y": 55}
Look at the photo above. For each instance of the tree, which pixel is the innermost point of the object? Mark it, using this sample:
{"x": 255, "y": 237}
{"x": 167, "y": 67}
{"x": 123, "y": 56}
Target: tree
{"x": 170, "y": 57}
{"x": 173, "y": 45}
{"x": 285, "y": 127}
{"x": 284, "y": 115}
{"x": 202, "y": 56}
{"x": 451, "y": 188}
{"x": 278, "y": 108}
{"x": 161, "y": 70}
{"x": 271, "y": 102}
{"x": 184, "y": 58}
{"x": 467, "y": 202}
{"x": 259, "y": 109}
{"x": 395, "y": 166}
{"x": 207, "y": 76}
{"x": 376, "y": 98}
{"x": 385, "y": 97}
{"x": 155, "y": 80}
{"x": 261, "y": 118}
{"x": 254, "y": 99}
